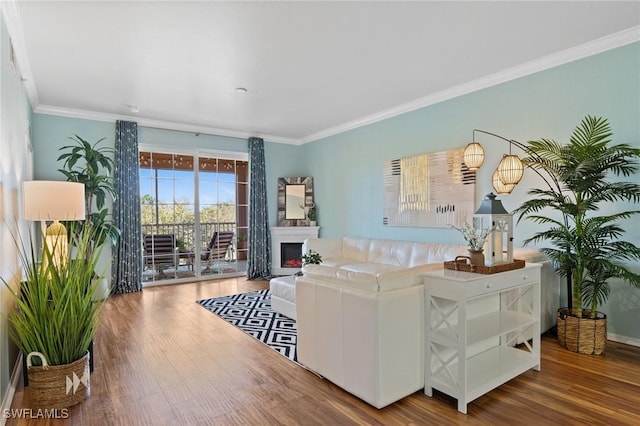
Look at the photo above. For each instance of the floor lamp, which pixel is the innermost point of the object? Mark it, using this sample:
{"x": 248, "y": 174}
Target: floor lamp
{"x": 509, "y": 172}
{"x": 53, "y": 201}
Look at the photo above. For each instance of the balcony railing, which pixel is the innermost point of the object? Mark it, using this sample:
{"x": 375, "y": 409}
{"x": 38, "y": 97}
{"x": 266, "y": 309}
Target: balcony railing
{"x": 185, "y": 232}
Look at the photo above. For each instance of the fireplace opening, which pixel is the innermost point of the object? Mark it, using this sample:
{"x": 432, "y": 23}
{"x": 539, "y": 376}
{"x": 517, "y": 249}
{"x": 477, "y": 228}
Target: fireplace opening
{"x": 291, "y": 255}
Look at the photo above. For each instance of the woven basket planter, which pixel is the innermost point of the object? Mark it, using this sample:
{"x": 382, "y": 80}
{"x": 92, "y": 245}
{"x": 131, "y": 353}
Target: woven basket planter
{"x": 57, "y": 386}
{"x": 583, "y": 335}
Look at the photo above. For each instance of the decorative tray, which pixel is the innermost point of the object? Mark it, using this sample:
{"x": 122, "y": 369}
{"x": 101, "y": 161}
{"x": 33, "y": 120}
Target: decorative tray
{"x": 460, "y": 264}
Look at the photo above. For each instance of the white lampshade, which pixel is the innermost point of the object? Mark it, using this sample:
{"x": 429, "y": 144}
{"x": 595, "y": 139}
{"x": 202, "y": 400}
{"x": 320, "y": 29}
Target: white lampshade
{"x": 510, "y": 169}
{"x": 45, "y": 200}
{"x": 53, "y": 200}
{"x": 473, "y": 156}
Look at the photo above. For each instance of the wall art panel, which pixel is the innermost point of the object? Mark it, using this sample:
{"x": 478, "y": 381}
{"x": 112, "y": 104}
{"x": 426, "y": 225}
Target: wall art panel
{"x": 434, "y": 190}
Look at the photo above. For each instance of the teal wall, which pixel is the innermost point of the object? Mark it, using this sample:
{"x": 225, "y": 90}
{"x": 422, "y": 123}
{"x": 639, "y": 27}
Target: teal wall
{"x": 16, "y": 166}
{"x": 347, "y": 168}
{"x": 188, "y": 140}
{"x": 51, "y": 132}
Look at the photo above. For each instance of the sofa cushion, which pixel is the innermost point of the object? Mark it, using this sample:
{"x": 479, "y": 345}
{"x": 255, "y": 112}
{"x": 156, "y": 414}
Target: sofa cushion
{"x": 384, "y": 265}
{"x": 530, "y": 255}
{"x": 355, "y": 249}
{"x": 337, "y": 262}
{"x": 284, "y": 287}
{"x": 396, "y": 253}
{"x": 403, "y": 253}
{"x": 426, "y": 254}
{"x": 374, "y": 277}
{"x": 329, "y": 248}
{"x": 376, "y": 265}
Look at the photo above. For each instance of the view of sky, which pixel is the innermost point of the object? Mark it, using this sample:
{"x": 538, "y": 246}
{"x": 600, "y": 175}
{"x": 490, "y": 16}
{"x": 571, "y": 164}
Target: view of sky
{"x": 178, "y": 186}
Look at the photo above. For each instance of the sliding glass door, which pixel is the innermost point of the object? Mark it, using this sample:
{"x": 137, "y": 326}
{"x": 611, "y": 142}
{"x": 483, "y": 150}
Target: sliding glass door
{"x": 194, "y": 215}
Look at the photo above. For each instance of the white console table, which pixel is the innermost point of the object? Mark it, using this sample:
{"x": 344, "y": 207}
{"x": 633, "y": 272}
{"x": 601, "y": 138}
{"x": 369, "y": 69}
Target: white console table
{"x": 474, "y": 322}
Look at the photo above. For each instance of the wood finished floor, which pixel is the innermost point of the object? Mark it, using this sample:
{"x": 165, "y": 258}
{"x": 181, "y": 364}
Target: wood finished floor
{"x": 161, "y": 359}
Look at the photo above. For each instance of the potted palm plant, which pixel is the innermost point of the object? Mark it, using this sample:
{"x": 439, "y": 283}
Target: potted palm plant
{"x": 54, "y": 321}
{"x": 92, "y": 164}
{"x": 587, "y": 245}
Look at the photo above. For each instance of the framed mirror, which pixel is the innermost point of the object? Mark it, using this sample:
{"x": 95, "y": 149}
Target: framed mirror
{"x": 294, "y": 202}
{"x": 295, "y": 196}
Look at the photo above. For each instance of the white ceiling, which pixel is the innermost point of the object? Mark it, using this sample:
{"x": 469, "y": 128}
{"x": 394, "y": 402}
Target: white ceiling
{"x": 311, "y": 68}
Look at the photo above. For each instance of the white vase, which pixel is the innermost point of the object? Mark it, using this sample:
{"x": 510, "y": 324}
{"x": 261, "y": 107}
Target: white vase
{"x": 312, "y": 223}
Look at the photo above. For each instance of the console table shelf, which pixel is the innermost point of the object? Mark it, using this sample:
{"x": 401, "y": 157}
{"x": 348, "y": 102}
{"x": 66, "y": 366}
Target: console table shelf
{"x": 489, "y": 369}
{"x": 473, "y": 325}
{"x": 494, "y": 324}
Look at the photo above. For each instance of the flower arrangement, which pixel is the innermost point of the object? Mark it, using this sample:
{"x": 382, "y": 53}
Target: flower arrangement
{"x": 474, "y": 237}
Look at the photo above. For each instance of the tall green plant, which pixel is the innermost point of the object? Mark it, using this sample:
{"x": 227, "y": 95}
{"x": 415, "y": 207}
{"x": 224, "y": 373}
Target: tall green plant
{"x": 56, "y": 313}
{"x": 586, "y": 245}
{"x": 92, "y": 165}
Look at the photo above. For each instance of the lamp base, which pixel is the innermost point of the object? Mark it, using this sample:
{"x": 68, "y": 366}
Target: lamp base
{"x": 56, "y": 245}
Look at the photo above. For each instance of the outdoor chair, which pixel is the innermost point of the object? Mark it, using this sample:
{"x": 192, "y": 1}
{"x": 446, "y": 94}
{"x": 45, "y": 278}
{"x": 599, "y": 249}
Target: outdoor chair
{"x": 217, "y": 249}
{"x": 160, "y": 252}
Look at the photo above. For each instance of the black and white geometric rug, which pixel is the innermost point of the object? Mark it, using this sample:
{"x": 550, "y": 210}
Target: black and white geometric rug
{"x": 251, "y": 312}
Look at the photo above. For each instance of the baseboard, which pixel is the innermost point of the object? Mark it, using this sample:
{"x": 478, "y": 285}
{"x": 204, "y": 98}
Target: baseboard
{"x": 11, "y": 389}
{"x": 624, "y": 339}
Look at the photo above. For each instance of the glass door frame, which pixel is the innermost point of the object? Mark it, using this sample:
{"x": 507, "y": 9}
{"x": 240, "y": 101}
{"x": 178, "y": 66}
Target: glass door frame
{"x": 197, "y": 153}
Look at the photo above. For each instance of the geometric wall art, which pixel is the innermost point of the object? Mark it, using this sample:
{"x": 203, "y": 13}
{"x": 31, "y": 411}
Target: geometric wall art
{"x": 435, "y": 190}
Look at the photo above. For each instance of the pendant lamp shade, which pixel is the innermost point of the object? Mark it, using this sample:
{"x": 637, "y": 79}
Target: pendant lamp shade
{"x": 500, "y": 187}
{"x": 510, "y": 169}
{"x": 474, "y": 156}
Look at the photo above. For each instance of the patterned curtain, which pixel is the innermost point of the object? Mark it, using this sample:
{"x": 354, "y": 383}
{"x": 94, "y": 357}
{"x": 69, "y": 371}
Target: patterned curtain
{"x": 127, "y": 261}
{"x": 259, "y": 264}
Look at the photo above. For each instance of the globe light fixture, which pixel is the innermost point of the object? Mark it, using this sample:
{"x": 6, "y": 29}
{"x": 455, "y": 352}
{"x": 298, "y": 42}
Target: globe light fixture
{"x": 473, "y": 155}
{"x": 500, "y": 187}
{"x": 510, "y": 169}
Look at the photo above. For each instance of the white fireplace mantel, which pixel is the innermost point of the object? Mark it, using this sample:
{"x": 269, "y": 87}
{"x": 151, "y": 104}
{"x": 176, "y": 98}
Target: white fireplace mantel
{"x": 288, "y": 234}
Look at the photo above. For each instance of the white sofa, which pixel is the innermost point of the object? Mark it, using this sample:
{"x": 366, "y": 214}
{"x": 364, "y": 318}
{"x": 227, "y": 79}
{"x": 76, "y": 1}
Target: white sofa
{"x": 360, "y": 313}
{"x": 283, "y": 295}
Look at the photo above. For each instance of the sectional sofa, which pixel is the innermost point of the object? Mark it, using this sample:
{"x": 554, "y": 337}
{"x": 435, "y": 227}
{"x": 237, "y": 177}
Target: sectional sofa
{"x": 360, "y": 313}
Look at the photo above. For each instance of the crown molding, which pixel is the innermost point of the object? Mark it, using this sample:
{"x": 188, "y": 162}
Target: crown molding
{"x": 11, "y": 13}
{"x": 160, "y": 124}
{"x": 591, "y": 48}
